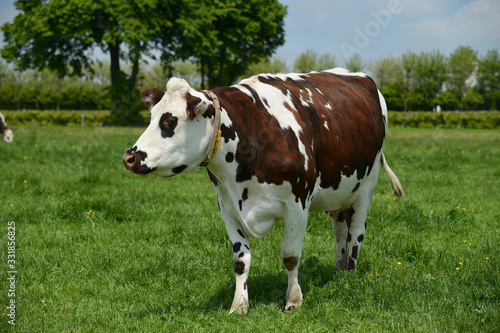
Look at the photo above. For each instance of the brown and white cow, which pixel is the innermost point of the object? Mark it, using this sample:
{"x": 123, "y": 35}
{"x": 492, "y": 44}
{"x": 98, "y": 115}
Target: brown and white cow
{"x": 288, "y": 144}
{"x": 8, "y": 135}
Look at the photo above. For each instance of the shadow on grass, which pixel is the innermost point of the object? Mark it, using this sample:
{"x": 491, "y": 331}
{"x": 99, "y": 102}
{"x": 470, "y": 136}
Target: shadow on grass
{"x": 270, "y": 289}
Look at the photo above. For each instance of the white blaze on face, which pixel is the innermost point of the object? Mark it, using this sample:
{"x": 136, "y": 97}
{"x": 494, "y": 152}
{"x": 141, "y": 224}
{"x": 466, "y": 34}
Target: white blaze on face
{"x": 8, "y": 136}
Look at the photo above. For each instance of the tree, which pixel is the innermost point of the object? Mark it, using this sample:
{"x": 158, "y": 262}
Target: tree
{"x": 488, "y": 76}
{"x": 447, "y": 100}
{"x": 266, "y": 65}
{"x": 7, "y": 96}
{"x": 27, "y": 97}
{"x": 326, "y": 61}
{"x": 473, "y": 100}
{"x": 392, "y": 96}
{"x": 156, "y": 76}
{"x": 7, "y": 86}
{"x": 247, "y": 31}
{"x": 429, "y": 75}
{"x": 4, "y": 72}
{"x": 306, "y": 61}
{"x": 224, "y": 35}
{"x": 354, "y": 63}
{"x": 387, "y": 70}
{"x": 278, "y": 65}
{"x": 69, "y": 97}
{"x": 461, "y": 65}
{"x": 47, "y": 98}
{"x": 411, "y": 82}
{"x": 227, "y": 36}
{"x": 409, "y": 64}
{"x": 62, "y": 35}
{"x": 417, "y": 101}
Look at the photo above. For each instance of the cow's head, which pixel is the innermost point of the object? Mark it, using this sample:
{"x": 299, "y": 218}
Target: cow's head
{"x": 8, "y": 136}
{"x": 177, "y": 136}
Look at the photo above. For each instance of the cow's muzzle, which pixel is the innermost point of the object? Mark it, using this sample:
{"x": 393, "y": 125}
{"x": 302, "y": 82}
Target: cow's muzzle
{"x": 133, "y": 159}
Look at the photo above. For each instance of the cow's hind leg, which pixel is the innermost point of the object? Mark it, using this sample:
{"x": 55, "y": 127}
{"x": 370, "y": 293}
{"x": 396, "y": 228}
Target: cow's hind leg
{"x": 350, "y": 226}
{"x": 341, "y": 222}
{"x": 295, "y": 229}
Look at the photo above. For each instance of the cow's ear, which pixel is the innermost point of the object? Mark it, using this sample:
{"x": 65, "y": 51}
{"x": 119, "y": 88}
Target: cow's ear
{"x": 195, "y": 106}
{"x": 151, "y": 96}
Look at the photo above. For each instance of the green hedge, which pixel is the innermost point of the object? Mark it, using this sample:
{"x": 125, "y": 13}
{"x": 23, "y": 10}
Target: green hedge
{"x": 477, "y": 119}
{"x": 65, "y": 118}
{"x": 474, "y": 120}
{"x": 48, "y": 118}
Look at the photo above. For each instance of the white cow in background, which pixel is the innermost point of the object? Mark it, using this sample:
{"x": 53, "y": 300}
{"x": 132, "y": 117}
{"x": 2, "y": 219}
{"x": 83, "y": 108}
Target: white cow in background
{"x": 8, "y": 135}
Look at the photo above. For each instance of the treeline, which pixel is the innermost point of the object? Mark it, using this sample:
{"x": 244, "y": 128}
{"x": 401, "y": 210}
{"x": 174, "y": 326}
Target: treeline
{"x": 463, "y": 80}
{"x": 45, "y": 90}
{"x": 222, "y": 37}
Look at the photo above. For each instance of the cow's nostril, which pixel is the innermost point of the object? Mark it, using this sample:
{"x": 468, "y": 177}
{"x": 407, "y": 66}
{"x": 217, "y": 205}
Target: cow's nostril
{"x": 133, "y": 162}
{"x": 129, "y": 160}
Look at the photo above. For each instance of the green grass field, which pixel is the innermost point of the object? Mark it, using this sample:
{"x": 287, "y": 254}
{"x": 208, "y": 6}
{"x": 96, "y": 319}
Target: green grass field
{"x": 98, "y": 249}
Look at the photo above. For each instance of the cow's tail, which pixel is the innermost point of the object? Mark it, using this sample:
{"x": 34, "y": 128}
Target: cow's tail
{"x": 396, "y": 185}
{"x": 385, "y": 114}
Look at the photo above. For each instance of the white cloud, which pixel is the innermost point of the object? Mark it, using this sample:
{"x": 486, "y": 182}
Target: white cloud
{"x": 419, "y": 8}
{"x": 476, "y": 24}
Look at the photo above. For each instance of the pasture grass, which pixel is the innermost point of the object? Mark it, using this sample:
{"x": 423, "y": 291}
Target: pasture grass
{"x": 99, "y": 249}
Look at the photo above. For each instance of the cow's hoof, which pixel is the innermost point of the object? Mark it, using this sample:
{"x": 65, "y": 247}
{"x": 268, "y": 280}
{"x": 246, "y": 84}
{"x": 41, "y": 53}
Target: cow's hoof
{"x": 241, "y": 308}
{"x": 290, "y": 307}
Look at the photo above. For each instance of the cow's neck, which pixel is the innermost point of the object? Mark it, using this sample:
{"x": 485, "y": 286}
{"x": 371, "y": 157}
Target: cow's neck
{"x": 213, "y": 144}
{"x": 3, "y": 124}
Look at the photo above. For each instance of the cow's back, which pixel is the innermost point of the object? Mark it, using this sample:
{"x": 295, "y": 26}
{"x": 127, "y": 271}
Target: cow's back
{"x": 304, "y": 128}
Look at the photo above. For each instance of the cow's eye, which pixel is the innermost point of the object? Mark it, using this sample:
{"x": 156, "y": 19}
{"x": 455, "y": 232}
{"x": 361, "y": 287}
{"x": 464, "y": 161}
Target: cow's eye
{"x": 167, "y": 124}
{"x": 164, "y": 124}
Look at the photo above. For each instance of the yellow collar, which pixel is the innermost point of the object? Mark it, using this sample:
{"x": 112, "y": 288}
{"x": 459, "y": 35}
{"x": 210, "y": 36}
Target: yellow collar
{"x": 216, "y": 133}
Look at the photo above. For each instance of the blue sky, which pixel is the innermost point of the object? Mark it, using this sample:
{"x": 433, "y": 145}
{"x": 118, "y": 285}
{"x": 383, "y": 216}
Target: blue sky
{"x": 377, "y": 28}
{"x": 390, "y": 27}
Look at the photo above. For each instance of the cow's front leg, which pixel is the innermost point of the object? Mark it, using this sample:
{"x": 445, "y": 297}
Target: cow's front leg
{"x": 241, "y": 262}
{"x": 295, "y": 229}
